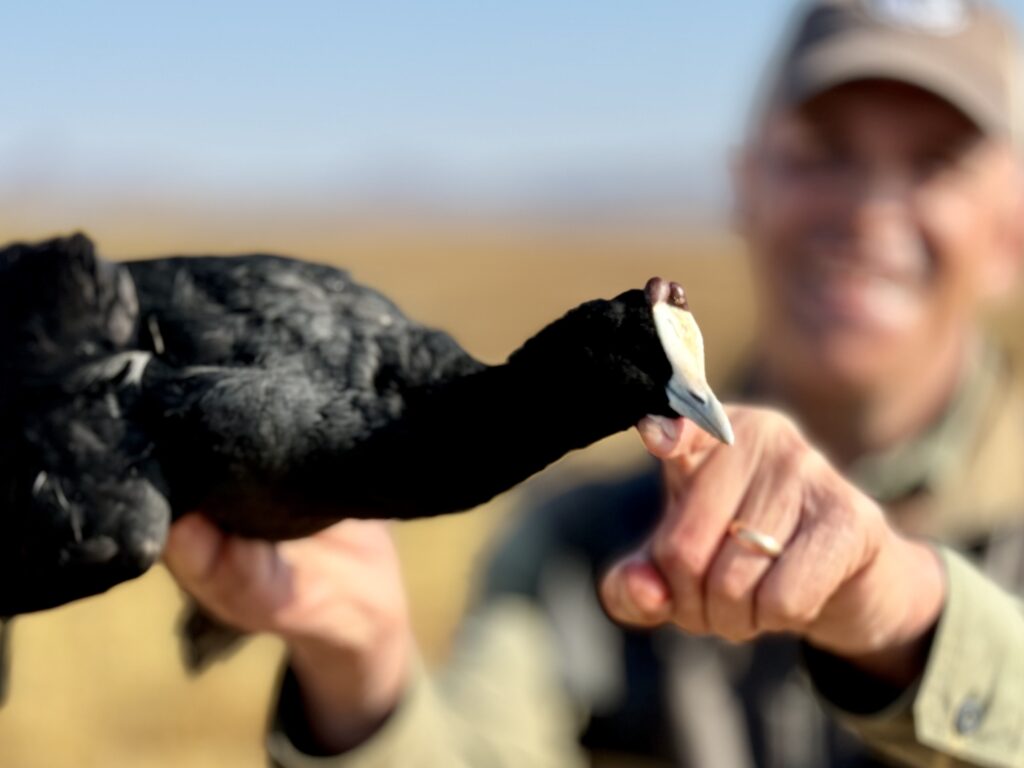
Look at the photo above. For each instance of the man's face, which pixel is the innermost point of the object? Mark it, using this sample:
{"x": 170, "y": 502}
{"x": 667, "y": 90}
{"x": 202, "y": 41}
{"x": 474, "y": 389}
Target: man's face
{"x": 878, "y": 217}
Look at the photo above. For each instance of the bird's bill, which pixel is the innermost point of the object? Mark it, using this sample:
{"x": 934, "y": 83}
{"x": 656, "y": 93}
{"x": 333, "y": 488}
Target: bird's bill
{"x": 709, "y": 415}
{"x": 688, "y": 391}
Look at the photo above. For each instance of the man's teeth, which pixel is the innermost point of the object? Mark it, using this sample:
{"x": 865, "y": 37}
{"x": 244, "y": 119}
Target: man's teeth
{"x": 888, "y": 295}
{"x": 881, "y": 297}
{"x": 861, "y": 271}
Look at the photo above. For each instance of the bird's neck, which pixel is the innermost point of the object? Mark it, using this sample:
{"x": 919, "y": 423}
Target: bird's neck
{"x": 461, "y": 442}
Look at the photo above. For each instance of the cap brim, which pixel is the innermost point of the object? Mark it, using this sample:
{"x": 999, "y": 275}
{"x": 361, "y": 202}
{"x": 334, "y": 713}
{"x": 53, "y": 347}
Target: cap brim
{"x": 860, "y": 57}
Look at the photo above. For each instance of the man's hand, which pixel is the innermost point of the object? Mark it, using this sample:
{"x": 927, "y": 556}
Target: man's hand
{"x": 845, "y": 581}
{"x": 336, "y": 598}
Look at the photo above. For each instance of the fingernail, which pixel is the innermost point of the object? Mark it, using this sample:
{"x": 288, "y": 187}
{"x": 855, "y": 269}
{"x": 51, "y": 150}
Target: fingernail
{"x": 670, "y": 429}
{"x": 658, "y": 433}
{"x": 647, "y": 590}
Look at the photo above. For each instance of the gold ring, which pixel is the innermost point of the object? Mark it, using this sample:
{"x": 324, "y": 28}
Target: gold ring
{"x": 755, "y": 541}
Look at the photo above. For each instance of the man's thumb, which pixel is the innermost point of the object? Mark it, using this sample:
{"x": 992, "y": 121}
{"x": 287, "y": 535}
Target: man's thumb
{"x": 193, "y": 544}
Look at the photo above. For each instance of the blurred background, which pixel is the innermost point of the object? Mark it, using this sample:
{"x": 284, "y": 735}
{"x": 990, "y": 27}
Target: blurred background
{"x": 487, "y": 165}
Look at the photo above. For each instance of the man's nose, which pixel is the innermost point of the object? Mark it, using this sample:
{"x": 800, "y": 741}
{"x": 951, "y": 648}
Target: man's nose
{"x": 884, "y": 187}
{"x": 881, "y": 196}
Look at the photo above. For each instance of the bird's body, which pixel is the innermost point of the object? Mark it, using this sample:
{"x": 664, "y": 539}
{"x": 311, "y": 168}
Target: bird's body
{"x": 265, "y": 370}
{"x": 277, "y": 396}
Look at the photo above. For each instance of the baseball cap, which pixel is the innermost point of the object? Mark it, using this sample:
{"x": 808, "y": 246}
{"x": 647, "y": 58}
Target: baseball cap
{"x": 965, "y": 52}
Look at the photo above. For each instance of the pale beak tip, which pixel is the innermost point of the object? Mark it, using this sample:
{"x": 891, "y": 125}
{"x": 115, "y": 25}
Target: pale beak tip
{"x": 716, "y": 422}
{"x": 727, "y": 436}
{"x": 704, "y": 411}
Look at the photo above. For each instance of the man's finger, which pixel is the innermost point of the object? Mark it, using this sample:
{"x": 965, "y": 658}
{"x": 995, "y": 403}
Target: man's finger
{"x": 660, "y": 435}
{"x": 695, "y": 522}
{"x": 813, "y": 566}
{"x": 772, "y": 506}
{"x": 676, "y": 438}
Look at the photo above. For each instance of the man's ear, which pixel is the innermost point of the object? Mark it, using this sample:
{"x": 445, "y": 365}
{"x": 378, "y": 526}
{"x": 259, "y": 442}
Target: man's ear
{"x": 742, "y": 170}
{"x": 1001, "y": 275}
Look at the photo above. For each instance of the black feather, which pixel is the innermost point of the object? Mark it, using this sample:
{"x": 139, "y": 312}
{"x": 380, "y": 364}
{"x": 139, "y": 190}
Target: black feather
{"x": 275, "y": 395}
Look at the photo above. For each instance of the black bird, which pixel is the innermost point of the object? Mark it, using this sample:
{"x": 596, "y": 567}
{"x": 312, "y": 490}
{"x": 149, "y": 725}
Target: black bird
{"x": 279, "y": 396}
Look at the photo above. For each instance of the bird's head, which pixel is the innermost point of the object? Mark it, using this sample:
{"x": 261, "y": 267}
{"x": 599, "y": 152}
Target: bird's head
{"x": 638, "y": 354}
{"x": 687, "y": 389}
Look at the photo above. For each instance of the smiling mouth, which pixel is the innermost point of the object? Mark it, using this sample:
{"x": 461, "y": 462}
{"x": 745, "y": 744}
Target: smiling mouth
{"x": 897, "y": 256}
{"x": 858, "y": 298}
{"x": 839, "y": 270}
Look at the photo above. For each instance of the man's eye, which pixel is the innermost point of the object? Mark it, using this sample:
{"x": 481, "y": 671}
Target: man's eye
{"x": 936, "y": 163}
{"x": 824, "y": 165}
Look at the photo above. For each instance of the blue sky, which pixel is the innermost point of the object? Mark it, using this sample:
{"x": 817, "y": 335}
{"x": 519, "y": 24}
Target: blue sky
{"x": 355, "y": 98}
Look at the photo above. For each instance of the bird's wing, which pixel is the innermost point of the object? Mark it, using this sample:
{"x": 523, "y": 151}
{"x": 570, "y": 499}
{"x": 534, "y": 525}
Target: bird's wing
{"x": 84, "y": 507}
{"x": 81, "y": 503}
{"x": 271, "y": 312}
{"x": 263, "y": 366}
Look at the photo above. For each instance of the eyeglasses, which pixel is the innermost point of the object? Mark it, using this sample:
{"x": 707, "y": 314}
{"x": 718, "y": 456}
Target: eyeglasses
{"x": 823, "y": 170}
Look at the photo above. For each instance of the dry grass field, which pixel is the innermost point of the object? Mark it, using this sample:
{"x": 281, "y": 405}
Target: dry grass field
{"x": 99, "y": 683}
